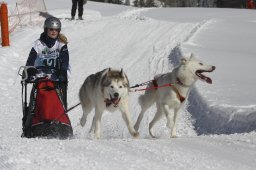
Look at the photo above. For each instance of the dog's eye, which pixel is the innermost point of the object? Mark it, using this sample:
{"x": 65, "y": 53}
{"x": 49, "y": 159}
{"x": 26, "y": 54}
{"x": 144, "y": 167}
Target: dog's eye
{"x": 112, "y": 87}
{"x": 120, "y": 87}
{"x": 201, "y": 64}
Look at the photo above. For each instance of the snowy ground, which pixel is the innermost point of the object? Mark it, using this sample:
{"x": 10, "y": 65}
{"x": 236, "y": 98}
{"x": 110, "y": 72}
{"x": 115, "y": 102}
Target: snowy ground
{"x": 216, "y": 129}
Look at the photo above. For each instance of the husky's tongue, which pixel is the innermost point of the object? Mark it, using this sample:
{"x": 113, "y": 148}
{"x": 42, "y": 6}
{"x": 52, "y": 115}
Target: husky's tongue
{"x": 114, "y": 100}
{"x": 203, "y": 77}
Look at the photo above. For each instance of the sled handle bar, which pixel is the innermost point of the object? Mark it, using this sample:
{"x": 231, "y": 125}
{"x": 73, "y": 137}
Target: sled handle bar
{"x": 47, "y": 68}
{"x": 44, "y": 79}
{"x": 24, "y": 69}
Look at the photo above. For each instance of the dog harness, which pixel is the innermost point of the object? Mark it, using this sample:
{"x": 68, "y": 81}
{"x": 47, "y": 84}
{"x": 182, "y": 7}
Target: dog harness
{"x": 179, "y": 96}
{"x": 155, "y": 87}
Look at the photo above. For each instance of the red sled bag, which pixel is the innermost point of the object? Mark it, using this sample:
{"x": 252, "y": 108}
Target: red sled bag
{"x": 47, "y": 116}
{"x": 49, "y": 106}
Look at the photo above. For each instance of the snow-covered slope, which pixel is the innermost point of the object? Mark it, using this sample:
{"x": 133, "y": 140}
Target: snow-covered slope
{"x": 143, "y": 42}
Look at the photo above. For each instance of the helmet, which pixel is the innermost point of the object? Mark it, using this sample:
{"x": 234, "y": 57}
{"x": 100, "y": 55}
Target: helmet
{"x": 52, "y": 22}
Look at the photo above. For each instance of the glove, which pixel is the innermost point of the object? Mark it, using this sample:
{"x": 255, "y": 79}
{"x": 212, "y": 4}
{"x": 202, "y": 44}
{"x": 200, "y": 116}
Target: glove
{"x": 84, "y": 1}
{"x": 28, "y": 73}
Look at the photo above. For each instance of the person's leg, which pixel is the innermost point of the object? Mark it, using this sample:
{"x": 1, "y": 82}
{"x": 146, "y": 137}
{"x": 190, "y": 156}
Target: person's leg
{"x": 64, "y": 91}
{"x": 80, "y": 9}
{"x": 63, "y": 85}
{"x": 73, "y": 9}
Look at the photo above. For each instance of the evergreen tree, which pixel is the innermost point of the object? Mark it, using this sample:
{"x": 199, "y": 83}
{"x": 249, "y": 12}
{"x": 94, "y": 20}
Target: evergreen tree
{"x": 150, "y": 3}
{"x": 127, "y": 2}
{"x": 139, "y": 3}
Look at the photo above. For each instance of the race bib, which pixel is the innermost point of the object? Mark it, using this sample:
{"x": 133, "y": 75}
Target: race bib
{"x": 48, "y": 57}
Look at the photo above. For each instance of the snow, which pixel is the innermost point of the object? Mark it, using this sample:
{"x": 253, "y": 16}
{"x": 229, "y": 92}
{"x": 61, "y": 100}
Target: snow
{"x": 216, "y": 129}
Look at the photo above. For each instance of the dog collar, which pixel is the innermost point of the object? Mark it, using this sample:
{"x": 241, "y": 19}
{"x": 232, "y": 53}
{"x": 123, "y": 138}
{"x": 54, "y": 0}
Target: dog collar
{"x": 180, "y": 82}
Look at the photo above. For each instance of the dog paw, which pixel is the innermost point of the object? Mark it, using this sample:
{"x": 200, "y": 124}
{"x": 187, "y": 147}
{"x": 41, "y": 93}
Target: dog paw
{"x": 97, "y": 136}
{"x": 151, "y": 134}
{"x": 135, "y": 134}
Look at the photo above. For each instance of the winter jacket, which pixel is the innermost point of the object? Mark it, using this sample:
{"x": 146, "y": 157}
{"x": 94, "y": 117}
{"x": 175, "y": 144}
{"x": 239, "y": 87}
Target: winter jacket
{"x": 51, "y": 52}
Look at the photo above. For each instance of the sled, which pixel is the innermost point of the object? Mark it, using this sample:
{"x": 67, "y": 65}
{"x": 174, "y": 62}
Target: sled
{"x": 45, "y": 114}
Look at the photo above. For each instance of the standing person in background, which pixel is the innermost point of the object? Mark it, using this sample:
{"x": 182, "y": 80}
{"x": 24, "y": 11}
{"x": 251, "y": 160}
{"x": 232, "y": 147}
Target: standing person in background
{"x": 80, "y": 4}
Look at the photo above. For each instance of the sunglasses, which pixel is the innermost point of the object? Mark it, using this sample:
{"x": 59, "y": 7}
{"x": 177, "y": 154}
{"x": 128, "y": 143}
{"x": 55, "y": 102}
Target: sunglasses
{"x": 52, "y": 29}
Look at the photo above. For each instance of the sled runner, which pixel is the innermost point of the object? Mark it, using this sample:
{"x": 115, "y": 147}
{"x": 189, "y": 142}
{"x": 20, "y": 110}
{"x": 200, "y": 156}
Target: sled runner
{"x": 45, "y": 114}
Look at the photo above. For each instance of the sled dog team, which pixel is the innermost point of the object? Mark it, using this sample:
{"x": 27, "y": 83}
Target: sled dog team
{"x": 104, "y": 90}
{"x": 109, "y": 90}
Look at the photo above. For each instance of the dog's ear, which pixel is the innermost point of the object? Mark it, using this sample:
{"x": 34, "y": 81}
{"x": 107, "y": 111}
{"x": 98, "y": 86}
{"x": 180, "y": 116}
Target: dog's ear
{"x": 122, "y": 73}
{"x": 109, "y": 71}
{"x": 183, "y": 60}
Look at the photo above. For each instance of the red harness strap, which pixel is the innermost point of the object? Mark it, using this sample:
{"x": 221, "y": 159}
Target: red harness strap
{"x": 153, "y": 87}
{"x": 181, "y": 98}
{"x": 178, "y": 94}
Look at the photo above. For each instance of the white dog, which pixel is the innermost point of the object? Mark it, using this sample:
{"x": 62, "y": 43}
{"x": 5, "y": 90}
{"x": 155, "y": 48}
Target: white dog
{"x": 180, "y": 80}
{"x": 105, "y": 90}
